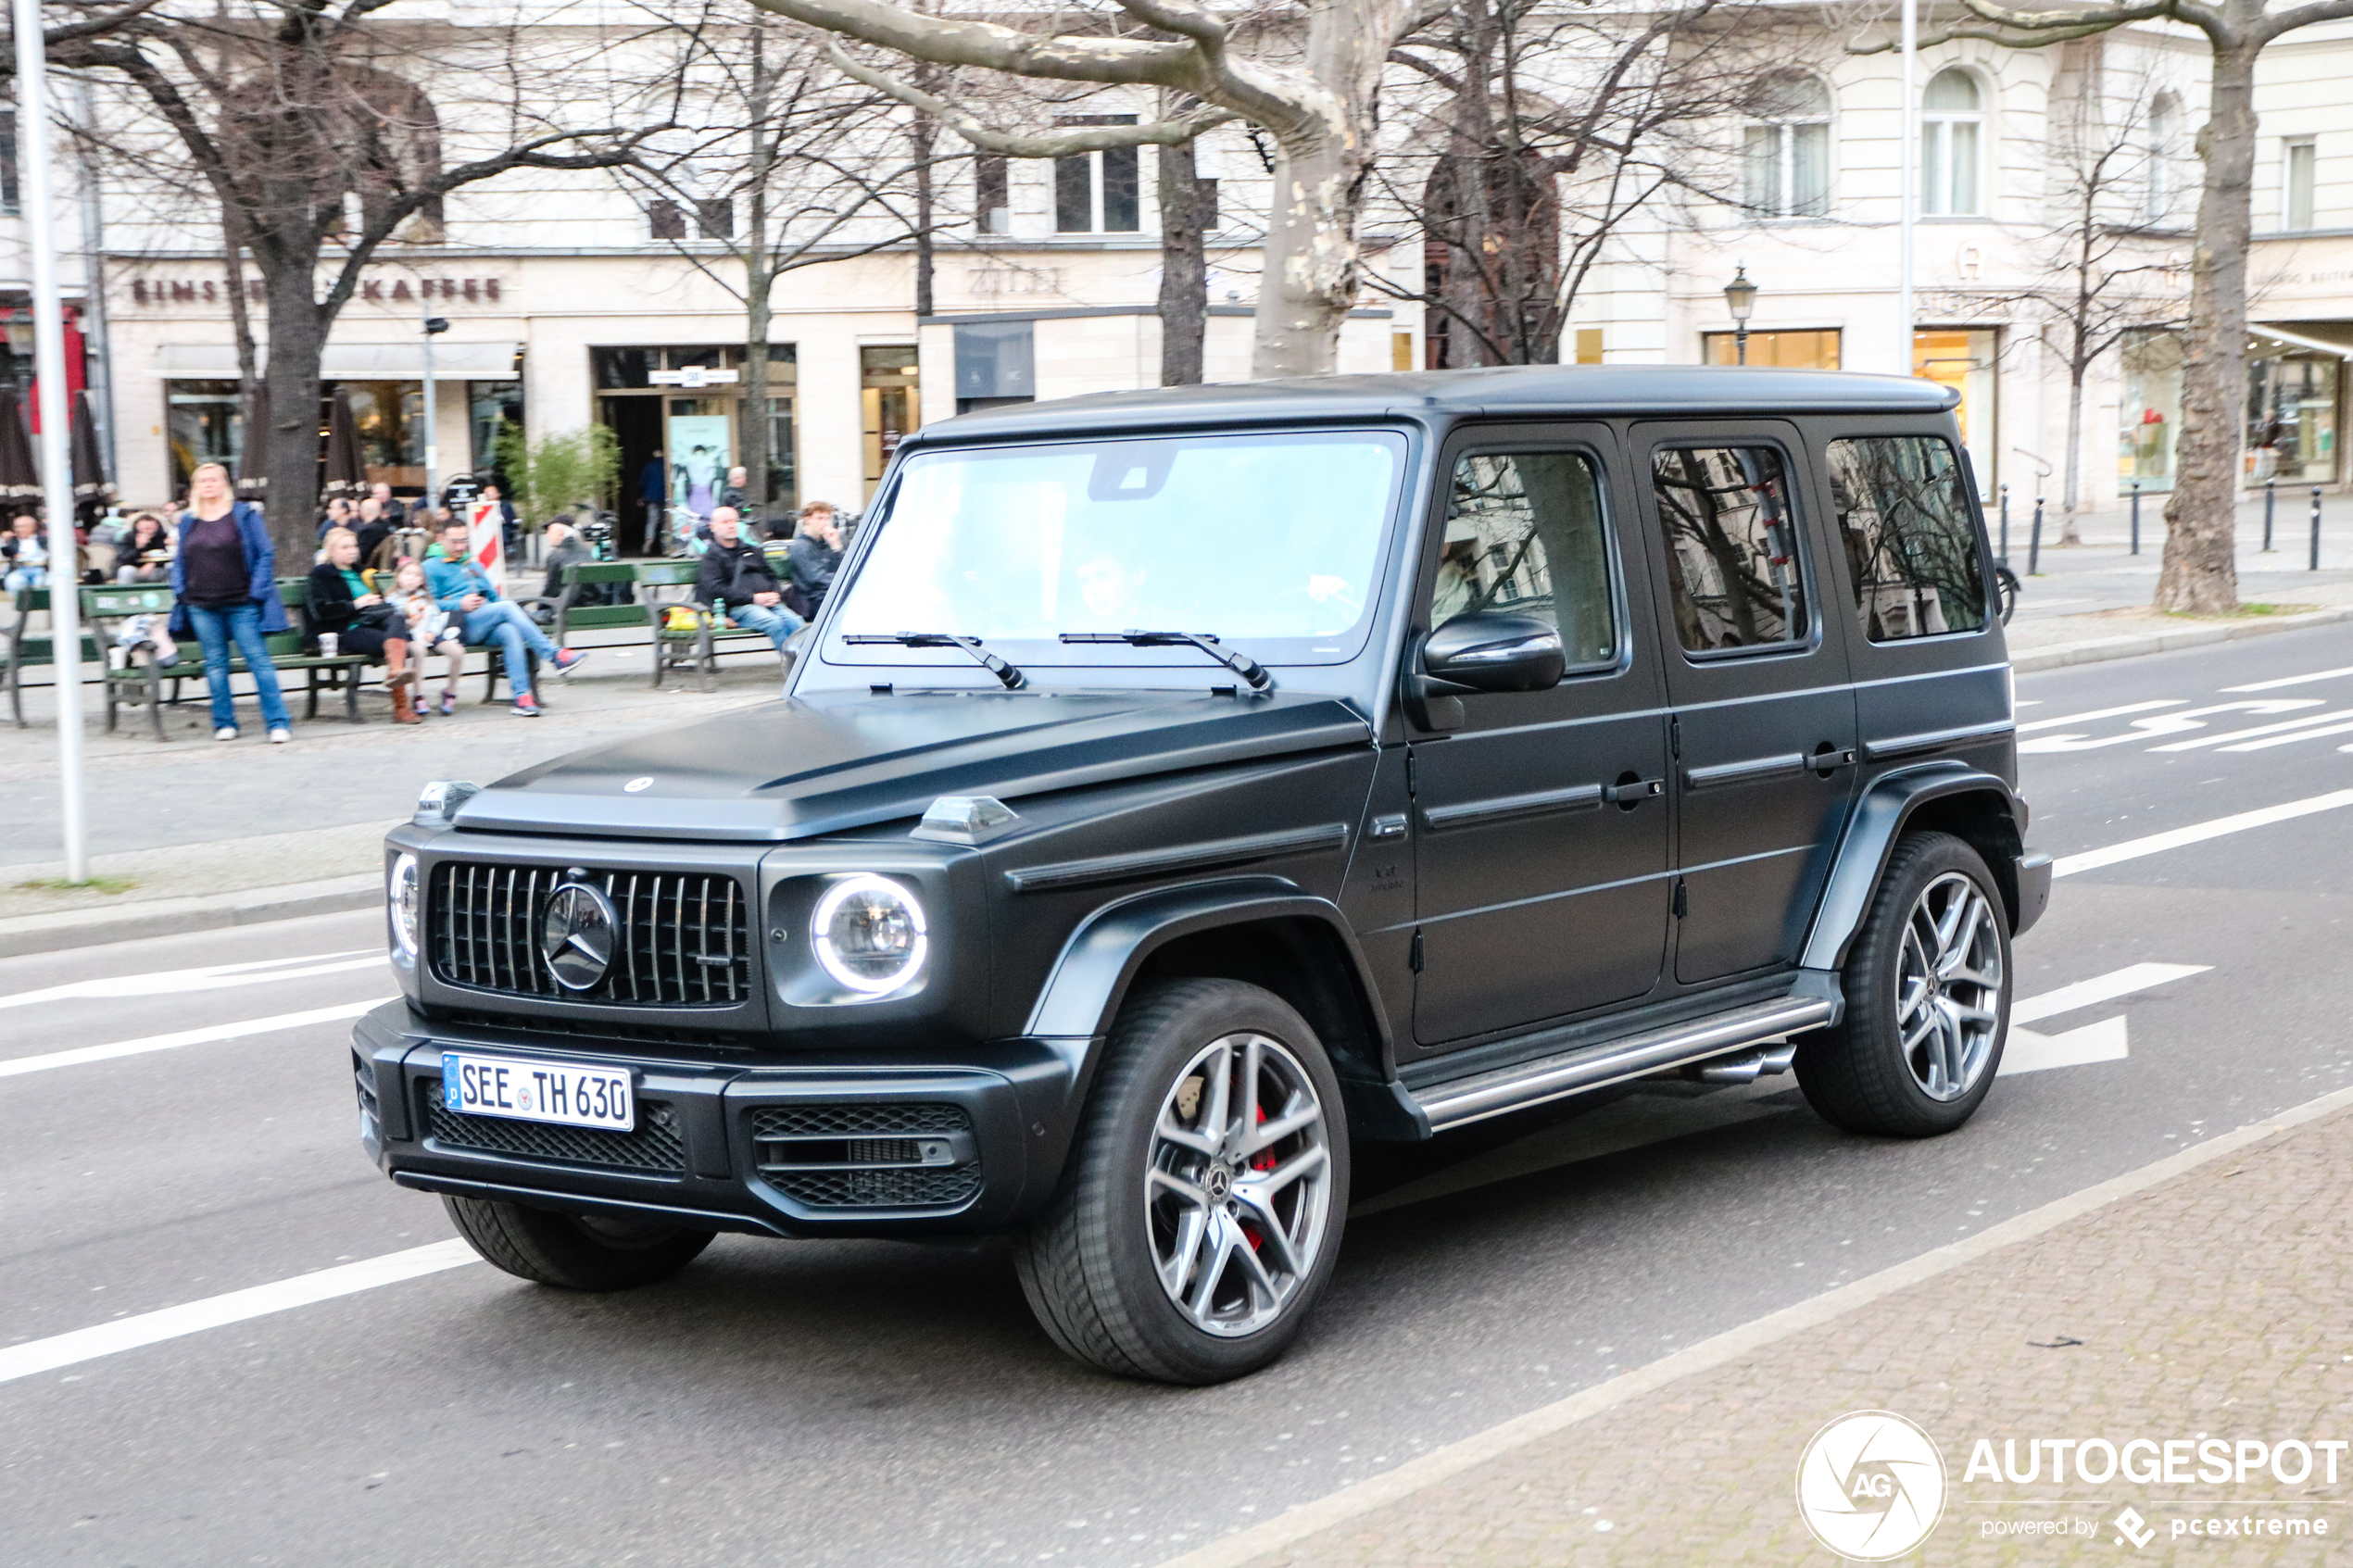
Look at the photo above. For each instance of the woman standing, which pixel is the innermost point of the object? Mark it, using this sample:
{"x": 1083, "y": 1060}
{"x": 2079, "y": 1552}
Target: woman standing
{"x": 341, "y": 602}
{"x": 224, "y": 588}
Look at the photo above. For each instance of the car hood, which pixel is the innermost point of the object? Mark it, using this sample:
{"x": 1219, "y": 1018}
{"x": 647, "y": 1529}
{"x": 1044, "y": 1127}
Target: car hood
{"x": 805, "y": 766}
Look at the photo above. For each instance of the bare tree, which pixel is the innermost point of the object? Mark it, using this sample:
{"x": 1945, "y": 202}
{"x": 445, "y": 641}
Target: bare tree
{"x": 1547, "y": 128}
{"x": 2200, "y": 573}
{"x": 309, "y": 125}
{"x": 1312, "y": 86}
{"x": 2103, "y": 262}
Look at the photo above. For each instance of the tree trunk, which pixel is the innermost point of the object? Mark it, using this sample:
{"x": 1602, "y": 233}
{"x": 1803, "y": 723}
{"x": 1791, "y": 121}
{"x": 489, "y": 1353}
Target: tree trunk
{"x": 2070, "y": 534}
{"x": 2200, "y": 575}
{"x": 1184, "y": 269}
{"x": 254, "y": 461}
{"x": 760, "y": 281}
{"x": 922, "y": 132}
{"x": 296, "y": 338}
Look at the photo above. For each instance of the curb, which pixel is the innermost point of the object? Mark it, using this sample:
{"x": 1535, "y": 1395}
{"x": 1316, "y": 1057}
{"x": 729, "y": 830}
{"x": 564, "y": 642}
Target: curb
{"x": 2103, "y": 648}
{"x": 20, "y": 935}
{"x": 1441, "y": 1464}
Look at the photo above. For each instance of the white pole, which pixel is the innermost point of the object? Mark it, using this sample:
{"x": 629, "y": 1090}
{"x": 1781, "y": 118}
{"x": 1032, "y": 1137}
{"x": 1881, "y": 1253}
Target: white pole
{"x": 432, "y": 450}
{"x": 56, "y": 471}
{"x": 1909, "y": 135}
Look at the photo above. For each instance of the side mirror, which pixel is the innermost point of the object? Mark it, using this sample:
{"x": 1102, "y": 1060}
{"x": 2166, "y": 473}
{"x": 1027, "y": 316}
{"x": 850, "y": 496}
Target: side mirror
{"x": 1496, "y": 650}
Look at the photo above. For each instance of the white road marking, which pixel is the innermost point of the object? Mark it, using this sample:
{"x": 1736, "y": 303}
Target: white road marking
{"x": 2028, "y": 1052}
{"x": 2289, "y": 740}
{"x": 216, "y": 977}
{"x": 203, "y": 1037}
{"x": 2101, "y": 988}
{"x": 236, "y": 1306}
{"x": 2304, "y": 722}
{"x": 2156, "y": 843}
{"x": 2167, "y": 725}
{"x": 2292, "y": 680}
{"x": 2102, "y": 713}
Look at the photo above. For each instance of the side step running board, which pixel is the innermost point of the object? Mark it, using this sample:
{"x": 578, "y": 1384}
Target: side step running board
{"x": 1592, "y": 1067}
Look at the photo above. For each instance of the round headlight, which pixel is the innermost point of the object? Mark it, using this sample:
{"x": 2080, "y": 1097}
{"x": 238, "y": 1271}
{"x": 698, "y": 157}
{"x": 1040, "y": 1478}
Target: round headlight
{"x": 868, "y": 934}
{"x": 400, "y": 903}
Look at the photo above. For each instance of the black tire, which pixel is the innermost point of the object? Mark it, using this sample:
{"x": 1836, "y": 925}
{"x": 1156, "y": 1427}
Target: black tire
{"x": 1088, "y": 1263}
{"x": 573, "y": 1251}
{"x": 1859, "y": 1075}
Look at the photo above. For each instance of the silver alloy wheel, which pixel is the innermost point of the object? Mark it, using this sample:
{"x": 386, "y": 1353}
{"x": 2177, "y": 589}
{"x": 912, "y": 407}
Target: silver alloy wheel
{"x": 1948, "y": 987}
{"x": 1237, "y": 1193}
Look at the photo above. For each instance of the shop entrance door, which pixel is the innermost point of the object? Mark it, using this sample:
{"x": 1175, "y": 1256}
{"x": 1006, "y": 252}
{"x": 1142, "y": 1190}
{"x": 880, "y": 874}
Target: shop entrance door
{"x": 636, "y": 425}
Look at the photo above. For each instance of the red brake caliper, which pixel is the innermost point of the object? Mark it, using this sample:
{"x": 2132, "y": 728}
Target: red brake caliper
{"x": 1262, "y": 1161}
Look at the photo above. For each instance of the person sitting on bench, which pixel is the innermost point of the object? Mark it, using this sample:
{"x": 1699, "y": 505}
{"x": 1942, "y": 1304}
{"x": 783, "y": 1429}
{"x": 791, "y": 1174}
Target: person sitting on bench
{"x": 736, "y": 578}
{"x": 466, "y": 591}
{"x": 343, "y": 604}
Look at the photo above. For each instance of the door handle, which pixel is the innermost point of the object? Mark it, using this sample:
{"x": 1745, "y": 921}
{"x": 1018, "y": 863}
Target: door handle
{"x": 1634, "y": 791}
{"x": 1827, "y": 762}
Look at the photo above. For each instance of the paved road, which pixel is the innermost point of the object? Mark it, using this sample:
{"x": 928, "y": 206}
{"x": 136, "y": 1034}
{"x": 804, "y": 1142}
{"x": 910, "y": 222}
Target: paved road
{"x": 885, "y": 1404}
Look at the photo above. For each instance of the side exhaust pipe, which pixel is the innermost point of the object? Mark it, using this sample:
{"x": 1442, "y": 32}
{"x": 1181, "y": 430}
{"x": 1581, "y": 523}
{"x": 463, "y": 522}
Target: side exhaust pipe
{"x": 1745, "y": 1068}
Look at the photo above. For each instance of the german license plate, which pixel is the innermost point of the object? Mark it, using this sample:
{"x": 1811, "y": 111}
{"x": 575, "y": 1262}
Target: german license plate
{"x": 562, "y": 1092}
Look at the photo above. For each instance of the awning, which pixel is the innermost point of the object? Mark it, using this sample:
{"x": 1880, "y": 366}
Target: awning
{"x": 353, "y": 361}
{"x": 2297, "y": 340}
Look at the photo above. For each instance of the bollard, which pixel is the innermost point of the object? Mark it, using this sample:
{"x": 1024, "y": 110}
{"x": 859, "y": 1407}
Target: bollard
{"x": 2137, "y": 517}
{"x": 2270, "y": 495}
{"x": 2034, "y": 542}
{"x": 2316, "y": 529}
{"x": 2005, "y": 524}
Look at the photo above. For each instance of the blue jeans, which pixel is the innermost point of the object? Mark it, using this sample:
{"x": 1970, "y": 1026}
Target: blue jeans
{"x": 27, "y": 577}
{"x": 502, "y": 622}
{"x": 214, "y": 630}
{"x": 774, "y": 620}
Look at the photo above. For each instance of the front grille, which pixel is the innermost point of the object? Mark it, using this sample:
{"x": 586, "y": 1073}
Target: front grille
{"x": 655, "y": 1146}
{"x": 867, "y": 1156}
{"x": 598, "y": 1029}
{"x": 683, "y": 939}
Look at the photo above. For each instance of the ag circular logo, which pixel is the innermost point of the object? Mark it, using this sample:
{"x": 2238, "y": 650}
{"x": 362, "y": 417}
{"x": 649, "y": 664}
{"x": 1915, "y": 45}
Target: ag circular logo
{"x": 576, "y": 935}
{"x": 1870, "y": 1485}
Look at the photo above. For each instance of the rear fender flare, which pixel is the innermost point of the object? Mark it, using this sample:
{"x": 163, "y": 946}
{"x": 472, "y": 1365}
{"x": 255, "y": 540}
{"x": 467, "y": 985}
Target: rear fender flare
{"x": 1891, "y": 803}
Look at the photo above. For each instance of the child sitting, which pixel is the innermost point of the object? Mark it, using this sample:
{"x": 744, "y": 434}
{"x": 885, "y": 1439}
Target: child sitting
{"x": 431, "y": 630}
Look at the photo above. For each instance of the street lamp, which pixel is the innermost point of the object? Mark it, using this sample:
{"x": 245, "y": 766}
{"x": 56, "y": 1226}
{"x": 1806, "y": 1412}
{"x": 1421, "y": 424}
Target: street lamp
{"x": 434, "y": 325}
{"x": 1739, "y": 298}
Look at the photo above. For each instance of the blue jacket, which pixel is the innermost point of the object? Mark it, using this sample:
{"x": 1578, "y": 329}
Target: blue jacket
{"x": 261, "y": 562}
{"x": 450, "y": 580}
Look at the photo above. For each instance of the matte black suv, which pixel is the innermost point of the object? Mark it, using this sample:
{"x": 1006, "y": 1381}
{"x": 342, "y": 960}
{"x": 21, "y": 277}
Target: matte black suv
{"x": 1180, "y": 786}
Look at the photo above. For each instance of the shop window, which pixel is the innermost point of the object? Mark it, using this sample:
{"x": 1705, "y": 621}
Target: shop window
{"x": 2149, "y": 410}
{"x": 1911, "y": 546}
{"x": 1786, "y": 156}
{"x": 889, "y": 403}
{"x": 1952, "y": 155}
{"x": 996, "y": 364}
{"x": 491, "y": 406}
{"x": 2291, "y": 418}
{"x": 1962, "y": 358}
{"x": 203, "y": 425}
{"x": 1098, "y": 193}
{"x": 390, "y": 417}
{"x": 1790, "y": 351}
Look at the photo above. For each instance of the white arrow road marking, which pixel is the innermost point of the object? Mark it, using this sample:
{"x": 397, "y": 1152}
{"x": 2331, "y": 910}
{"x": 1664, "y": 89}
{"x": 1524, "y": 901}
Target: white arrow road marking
{"x": 2101, "y": 713}
{"x": 2165, "y": 724}
{"x": 2300, "y": 734}
{"x": 236, "y": 1306}
{"x": 2292, "y": 680}
{"x": 2028, "y": 1052}
{"x": 2101, "y": 988}
{"x": 2301, "y": 723}
{"x": 216, "y": 977}
{"x": 203, "y": 1037}
{"x": 2156, "y": 843}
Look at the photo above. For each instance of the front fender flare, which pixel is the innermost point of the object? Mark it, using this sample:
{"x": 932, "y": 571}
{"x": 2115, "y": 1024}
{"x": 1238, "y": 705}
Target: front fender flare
{"x": 1871, "y": 834}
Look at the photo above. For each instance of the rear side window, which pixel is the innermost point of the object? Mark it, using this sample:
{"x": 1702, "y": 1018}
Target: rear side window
{"x": 1732, "y": 547}
{"x": 1902, "y": 513}
{"x": 1524, "y": 532}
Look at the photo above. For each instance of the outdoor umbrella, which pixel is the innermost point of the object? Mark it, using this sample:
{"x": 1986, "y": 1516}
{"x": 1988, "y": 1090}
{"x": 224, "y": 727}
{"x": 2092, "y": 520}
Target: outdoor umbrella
{"x": 253, "y": 478}
{"x": 91, "y": 485}
{"x": 346, "y": 475}
{"x": 20, "y": 475}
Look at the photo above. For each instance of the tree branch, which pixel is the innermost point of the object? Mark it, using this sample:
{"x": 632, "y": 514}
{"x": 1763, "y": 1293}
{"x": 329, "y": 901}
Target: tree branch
{"x": 1062, "y": 143}
{"x": 1116, "y": 61}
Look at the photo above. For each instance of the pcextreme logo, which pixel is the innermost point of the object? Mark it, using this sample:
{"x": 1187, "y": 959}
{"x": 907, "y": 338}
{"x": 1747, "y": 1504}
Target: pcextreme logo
{"x": 1870, "y": 1485}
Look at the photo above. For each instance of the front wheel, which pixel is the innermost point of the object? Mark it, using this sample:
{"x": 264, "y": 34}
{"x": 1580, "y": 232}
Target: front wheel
{"x": 1200, "y": 1211}
{"x": 573, "y": 1251}
{"x": 1928, "y": 999}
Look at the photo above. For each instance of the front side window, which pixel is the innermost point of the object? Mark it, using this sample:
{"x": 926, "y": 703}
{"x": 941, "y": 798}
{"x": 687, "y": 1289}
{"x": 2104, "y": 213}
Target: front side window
{"x": 1951, "y": 121}
{"x": 1903, "y": 516}
{"x": 1268, "y": 542}
{"x": 1732, "y": 547}
{"x": 1786, "y": 154}
{"x": 1524, "y": 532}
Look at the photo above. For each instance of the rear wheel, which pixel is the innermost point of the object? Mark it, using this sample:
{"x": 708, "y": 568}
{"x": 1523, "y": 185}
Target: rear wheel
{"x": 1201, "y": 1210}
{"x": 575, "y": 1251}
{"x": 1928, "y": 999}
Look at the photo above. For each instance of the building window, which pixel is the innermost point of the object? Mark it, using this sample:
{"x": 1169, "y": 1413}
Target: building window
{"x": 8, "y": 161}
{"x": 2164, "y": 111}
{"x": 2295, "y": 182}
{"x": 1098, "y": 193}
{"x": 891, "y": 404}
{"x": 996, "y": 364}
{"x": 715, "y": 217}
{"x": 2291, "y": 416}
{"x": 1786, "y": 159}
{"x": 492, "y": 408}
{"x": 992, "y": 194}
{"x": 1952, "y": 131}
{"x": 666, "y": 219}
{"x": 1796, "y": 351}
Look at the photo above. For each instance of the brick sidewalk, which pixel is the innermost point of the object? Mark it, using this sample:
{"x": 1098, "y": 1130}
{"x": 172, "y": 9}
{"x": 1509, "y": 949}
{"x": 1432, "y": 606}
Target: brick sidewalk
{"x": 2215, "y": 1302}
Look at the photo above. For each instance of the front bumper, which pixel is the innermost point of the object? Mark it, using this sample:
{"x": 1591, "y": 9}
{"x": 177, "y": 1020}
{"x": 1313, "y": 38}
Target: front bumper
{"x": 851, "y": 1145}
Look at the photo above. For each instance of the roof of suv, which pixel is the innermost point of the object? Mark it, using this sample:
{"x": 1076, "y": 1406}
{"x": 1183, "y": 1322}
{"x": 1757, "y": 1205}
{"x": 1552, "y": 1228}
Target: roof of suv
{"x": 1582, "y": 391}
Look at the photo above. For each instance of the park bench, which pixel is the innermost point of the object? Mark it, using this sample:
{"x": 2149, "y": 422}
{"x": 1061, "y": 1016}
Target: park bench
{"x": 661, "y": 587}
{"x": 24, "y": 651}
{"x": 135, "y": 682}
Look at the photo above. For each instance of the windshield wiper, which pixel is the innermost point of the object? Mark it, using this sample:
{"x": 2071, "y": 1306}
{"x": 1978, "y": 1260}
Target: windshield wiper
{"x": 1015, "y": 680}
{"x": 1233, "y": 659}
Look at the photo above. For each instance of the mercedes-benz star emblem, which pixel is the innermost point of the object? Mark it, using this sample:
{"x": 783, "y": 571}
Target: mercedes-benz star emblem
{"x": 638, "y": 785}
{"x": 576, "y": 936}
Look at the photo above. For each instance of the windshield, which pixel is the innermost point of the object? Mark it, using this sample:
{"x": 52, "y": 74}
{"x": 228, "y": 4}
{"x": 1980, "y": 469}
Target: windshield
{"x": 1269, "y": 543}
